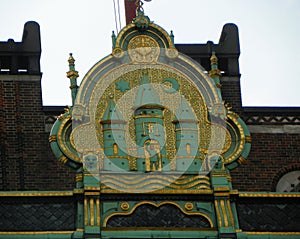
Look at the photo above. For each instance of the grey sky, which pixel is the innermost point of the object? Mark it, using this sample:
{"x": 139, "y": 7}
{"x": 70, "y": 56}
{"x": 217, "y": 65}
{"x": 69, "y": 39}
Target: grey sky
{"x": 269, "y": 38}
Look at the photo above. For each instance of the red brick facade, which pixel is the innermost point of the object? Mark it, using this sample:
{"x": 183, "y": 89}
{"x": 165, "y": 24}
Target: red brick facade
{"x": 27, "y": 162}
{"x": 271, "y": 156}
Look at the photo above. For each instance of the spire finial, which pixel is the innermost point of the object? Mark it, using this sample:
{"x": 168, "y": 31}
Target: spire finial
{"x": 71, "y": 60}
{"x": 72, "y": 74}
{"x": 214, "y": 59}
{"x": 114, "y": 39}
{"x": 215, "y": 73}
{"x": 172, "y": 37}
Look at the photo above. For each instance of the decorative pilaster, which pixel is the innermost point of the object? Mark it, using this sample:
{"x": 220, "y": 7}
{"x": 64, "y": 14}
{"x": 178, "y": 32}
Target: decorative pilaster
{"x": 91, "y": 204}
{"x": 72, "y": 74}
{"x": 92, "y": 212}
{"x": 225, "y": 209}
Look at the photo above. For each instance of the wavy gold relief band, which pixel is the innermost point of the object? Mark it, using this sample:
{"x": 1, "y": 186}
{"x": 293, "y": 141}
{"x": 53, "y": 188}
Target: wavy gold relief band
{"x": 141, "y": 178}
{"x": 153, "y": 184}
{"x": 160, "y": 191}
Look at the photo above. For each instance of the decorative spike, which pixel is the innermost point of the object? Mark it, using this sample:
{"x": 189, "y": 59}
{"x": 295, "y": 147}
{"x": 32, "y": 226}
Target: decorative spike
{"x": 114, "y": 39}
{"x": 172, "y": 38}
{"x": 215, "y": 73}
{"x": 71, "y": 60}
{"x": 72, "y": 74}
{"x": 214, "y": 60}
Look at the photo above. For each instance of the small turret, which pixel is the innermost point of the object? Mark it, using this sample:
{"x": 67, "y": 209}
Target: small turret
{"x": 187, "y": 140}
{"x": 114, "y": 138}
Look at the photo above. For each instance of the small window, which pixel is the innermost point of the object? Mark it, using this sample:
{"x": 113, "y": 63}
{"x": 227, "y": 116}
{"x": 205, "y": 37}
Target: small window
{"x": 188, "y": 149}
{"x": 115, "y": 149}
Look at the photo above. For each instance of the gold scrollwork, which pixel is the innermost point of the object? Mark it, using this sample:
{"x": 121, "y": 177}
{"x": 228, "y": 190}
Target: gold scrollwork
{"x": 66, "y": 125}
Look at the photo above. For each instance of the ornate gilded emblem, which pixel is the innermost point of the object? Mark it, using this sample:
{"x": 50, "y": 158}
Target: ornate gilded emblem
{"x": 143, "y": 49}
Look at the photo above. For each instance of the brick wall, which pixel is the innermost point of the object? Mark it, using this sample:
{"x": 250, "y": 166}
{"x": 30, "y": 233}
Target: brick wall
{"x": 231, "y": 93}
{"x": 271, "y": 156}
{"x": 27, "y": 162}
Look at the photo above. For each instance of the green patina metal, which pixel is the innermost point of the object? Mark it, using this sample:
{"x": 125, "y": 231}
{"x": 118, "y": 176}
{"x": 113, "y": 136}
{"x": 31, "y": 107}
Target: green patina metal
{"x": 187, "y": 173}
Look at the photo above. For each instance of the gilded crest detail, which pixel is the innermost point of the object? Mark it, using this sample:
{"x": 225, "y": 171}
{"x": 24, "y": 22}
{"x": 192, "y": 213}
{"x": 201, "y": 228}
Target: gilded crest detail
{"x": 143, "y": 49}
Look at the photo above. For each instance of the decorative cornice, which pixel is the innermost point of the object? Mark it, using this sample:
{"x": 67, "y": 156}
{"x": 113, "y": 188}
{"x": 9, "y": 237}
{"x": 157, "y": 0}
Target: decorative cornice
{"x": 275, "y": 129}
{"x": 267, "y": 194}
{"x": 272, "y": 119}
